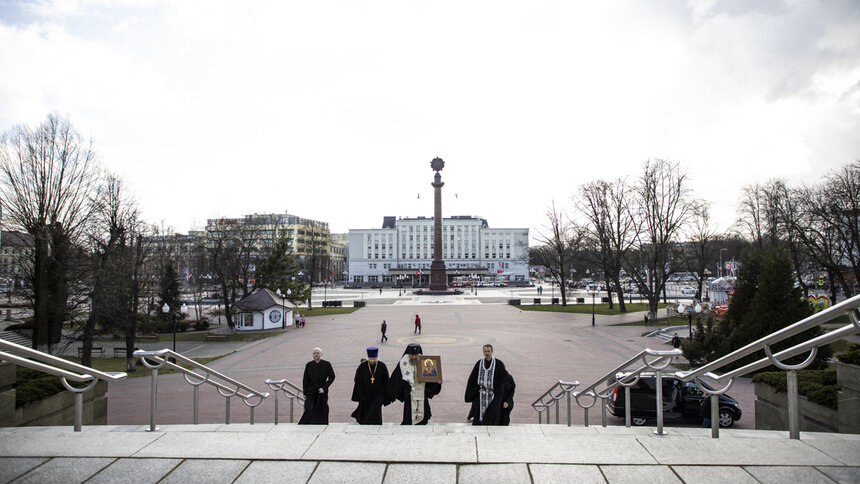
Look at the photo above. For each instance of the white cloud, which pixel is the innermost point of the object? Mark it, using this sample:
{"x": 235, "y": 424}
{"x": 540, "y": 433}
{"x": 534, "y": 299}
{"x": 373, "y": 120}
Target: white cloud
{"x": 333, "y": 110}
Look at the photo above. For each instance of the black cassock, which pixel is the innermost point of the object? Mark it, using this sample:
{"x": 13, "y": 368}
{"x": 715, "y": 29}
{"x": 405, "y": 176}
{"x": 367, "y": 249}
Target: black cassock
{"x": 492, "y": 415}
{"x": 401, "y": 390}
{"x": 371, "y": 396}
{"x": 507, "y": 396}
{"x": 317, "y": 375}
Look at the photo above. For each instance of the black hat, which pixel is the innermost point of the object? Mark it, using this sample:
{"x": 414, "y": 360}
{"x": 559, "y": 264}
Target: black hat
{"x": 372, "y": 352}
{"x": 413, "y": 349}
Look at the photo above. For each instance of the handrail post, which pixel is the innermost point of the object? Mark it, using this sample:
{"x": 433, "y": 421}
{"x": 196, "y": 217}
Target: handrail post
{"x": 196, "y": 404}
{"x": 557, "y": 411}
{"x": 659, "y": 430}
{"x": 603, "y": 411}
{"x": 276, "y": 407}
{"x": 793, "y": 405}
{"x": 627, "y": 411}
{"x": 153, "y": 401}
{"x": 586, "y": 416}
{"x": 715, "y": 416}
{"x": 568, "y": 409}
{"x": 252, "y": 415}
{"x": 227, "y": 412}
{"x": 79, "y": 411}
{"x": 291, "y": 410}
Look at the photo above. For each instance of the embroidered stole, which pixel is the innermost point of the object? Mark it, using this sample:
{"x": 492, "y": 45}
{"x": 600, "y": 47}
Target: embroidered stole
{"x": 408, "y": 369}
{"x": 485, "y": 383}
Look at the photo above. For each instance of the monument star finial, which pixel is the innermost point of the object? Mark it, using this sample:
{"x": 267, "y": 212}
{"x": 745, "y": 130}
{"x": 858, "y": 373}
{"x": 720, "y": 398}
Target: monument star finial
{"x": 437, "y": 164}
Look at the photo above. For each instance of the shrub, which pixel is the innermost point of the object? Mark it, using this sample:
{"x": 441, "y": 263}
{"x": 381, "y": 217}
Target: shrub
{"x": 852, "y": 356}
{"x": 32, "y": 385}
{"x": 819, "y": 386}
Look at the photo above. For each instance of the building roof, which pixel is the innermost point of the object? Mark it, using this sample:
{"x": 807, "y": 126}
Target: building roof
{"x": 11, "y": 238}
{"x": 262, "y": 299}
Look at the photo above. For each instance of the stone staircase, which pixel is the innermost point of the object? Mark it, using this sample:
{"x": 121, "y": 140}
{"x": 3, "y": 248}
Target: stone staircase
{"x": 436, "y": 453}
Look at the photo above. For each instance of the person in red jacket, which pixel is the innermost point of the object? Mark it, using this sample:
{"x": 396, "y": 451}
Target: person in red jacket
{"x": 417, "y": 325}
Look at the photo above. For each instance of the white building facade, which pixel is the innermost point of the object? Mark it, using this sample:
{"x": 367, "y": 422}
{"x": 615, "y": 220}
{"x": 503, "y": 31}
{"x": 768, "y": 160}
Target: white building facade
{"x": 400, "y": 253}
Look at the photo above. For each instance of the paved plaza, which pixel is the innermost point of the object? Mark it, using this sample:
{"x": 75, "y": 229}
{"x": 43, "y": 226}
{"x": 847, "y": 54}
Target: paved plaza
{"x": 538, "y": 348}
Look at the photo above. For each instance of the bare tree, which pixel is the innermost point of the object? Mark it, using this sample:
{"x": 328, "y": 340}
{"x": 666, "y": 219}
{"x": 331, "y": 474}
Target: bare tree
{"x": 662, "y": 207}
{"x": 48, "y": 176}
{"x": 702, "y": 245}
{"x": 610, "y": 228}
{"x": 111, "y": 235}
{"x": 233, "y": 248}
{"x": 560, "y": 241}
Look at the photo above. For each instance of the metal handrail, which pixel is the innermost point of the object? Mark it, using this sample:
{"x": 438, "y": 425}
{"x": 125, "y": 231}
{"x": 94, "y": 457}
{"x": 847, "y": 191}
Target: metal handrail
{"x": 542, "y": 404}
{"x": 228, "y": 389}
{"x": 851, "y": 307}
{"x": 65, "y": 369}
{"x": 290, "y": 390}
{"x": 588, "y": 396}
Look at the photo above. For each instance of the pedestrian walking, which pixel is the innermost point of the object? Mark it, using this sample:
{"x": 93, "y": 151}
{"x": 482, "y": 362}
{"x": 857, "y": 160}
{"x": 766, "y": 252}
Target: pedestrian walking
{"x": 417, "y": 325}
{"x": 298, "y": 320}
{"x": 318, "y": 376}
{"x": 383, "y": 328}
{"x": 676, "y": 342}
{"x": 303, "y": 320}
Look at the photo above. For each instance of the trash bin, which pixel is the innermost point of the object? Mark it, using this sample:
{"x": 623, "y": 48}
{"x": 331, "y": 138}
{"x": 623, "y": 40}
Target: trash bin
{"x": 514, "y": 302}
{"x": 555, "y": 300}
{"x": 358, "y": 304}
{"x": 537, "y": 301}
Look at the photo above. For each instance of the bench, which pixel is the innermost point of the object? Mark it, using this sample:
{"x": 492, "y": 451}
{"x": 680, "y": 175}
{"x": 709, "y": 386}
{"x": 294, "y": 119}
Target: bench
{"x": 119, "y": 352}
{"x": 97, "y": 350}
{"x": 215, "y": 337}
{"x": 147, "y": 337}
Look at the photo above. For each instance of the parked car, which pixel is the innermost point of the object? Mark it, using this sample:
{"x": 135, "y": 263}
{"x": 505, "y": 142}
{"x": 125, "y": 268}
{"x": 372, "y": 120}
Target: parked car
{"x": 681, "y": 400}
{"x": 688, "y": 291}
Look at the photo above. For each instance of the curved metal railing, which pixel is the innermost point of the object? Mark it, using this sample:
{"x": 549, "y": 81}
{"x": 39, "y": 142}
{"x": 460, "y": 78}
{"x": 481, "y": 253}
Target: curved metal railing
{"x": 65, "y": 369}
{"x": 851, "y": 307}
{"x": 290, "y": 390}
{"x": 550, "y": 399}
{"x": 227, "y": 387}
{"x": 620, "y": 376}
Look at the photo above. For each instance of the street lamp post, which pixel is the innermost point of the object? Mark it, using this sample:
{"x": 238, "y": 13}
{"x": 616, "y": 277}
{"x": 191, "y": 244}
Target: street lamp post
{"x": 593, "y": 293}
{"x": 166, "y": 310}
{"x": 721, "y": 261}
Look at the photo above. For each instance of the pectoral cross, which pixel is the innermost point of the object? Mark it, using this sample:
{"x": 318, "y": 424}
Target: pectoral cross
{"x": 371, "y": 380}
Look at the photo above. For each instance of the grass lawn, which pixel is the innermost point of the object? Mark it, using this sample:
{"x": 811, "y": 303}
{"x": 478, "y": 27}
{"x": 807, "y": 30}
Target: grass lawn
{"x": 602, "y": 309}
{"x": 118, "y": 364}
{"x": 325, "y": 311}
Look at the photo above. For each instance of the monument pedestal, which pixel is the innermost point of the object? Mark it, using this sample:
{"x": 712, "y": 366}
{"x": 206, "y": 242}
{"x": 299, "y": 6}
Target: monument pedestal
{"x": 438, "y": 276}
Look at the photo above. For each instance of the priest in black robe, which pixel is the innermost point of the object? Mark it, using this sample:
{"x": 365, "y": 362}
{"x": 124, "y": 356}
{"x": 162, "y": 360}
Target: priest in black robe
{"x": 405, "y": 387}
{"x": 484, "y": 389}
{"x": 370, "y": 389}
{"x": 318, "y": 376}
{"x": 507, "y": 397}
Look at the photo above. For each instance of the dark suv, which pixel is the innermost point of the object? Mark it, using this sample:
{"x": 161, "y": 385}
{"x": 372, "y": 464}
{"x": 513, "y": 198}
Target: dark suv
{"x": 680, "y": 400}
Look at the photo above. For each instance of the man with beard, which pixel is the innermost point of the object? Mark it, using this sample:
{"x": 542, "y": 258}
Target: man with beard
{"x": 404, "y": 386}
{"x": 485, "y": 389}
{"x": 318, "y": 376}
{"x": 370, "y": 390}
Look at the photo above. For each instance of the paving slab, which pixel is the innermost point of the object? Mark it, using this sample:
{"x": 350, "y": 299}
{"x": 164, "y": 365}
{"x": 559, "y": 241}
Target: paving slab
{"x": 565, "y": 474}
{"x": 63, "y": 442}
{"x": 12, "y": 467}
{"x": 714, "y": 474}
{"x": 423, "y": 473}
{"x": 783, "y": 474}
{"x": 134, "y": 471}
{"x": 842, "y": 474}
{"x": 429, "y": 447}
{"x": 240, "y": 445}
{"x": 65, "y": 469}
{"x": 273, "y": 471}
{"x": 206, "y": 470}
{"x": 563, "y": 450}
{"x": 495, "y": 473}
{"x": 846, "y": 451}
{"x": 348, "y": 473}
{"x": 684, "y": 450}
{"x": 639, "y": 474}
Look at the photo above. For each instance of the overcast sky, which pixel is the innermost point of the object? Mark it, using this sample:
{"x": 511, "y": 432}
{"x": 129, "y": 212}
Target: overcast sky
{"x": 333, "y": 110}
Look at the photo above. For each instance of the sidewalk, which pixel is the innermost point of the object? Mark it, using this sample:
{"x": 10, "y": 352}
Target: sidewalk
{"x": 437, "y": 453}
